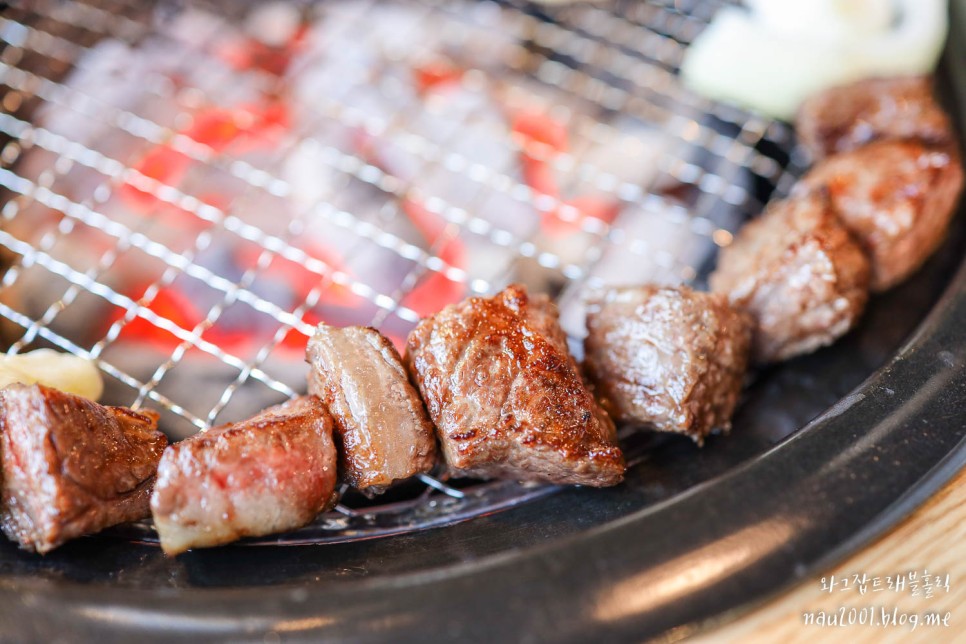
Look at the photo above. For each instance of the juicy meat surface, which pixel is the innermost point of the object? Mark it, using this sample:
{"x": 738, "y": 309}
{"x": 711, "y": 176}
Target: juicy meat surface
{"x": 275, "y": 471}
{"x": 847, "y": 117}
{"x": 381, "y": 427}
{"x": 799, "y": 274}
{"x": 895, "y": 197}
{"x": 506, "y": 396}
{"x": 71, "y": 466}
{"x": 670, "y": 357}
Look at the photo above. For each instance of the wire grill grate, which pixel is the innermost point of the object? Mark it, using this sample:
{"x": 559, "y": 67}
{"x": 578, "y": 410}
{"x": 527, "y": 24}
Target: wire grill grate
{"x": 184, "y": 197}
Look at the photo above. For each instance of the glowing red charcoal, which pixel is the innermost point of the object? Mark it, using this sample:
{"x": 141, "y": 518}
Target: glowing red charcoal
{"x": 295, "y": 340}
{"x": 176, "y": 307}
{"x": 436, "y": 74}
{"x": 299, "y": 279}
{"x": 168, "y": 304}
{"x": 247, "y": 127}
{"x": 184, "y": 220}
{"x": 540, "y": 135}
{"x": 435, "y": 290}
{"x": 246, "y": 53}
{"x": 162, "y": 164}
{"x": 541, "y": 138}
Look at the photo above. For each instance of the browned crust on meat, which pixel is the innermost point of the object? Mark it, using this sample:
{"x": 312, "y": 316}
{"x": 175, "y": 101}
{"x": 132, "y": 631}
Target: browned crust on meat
{"x": 800, "y": 275}
{"x": 71, "y": 466}
{"x": 671, "y": 357}
{"x": 845, "y": 118}
{"x": 896, "y": 198}
{"x": 506, "y": 395}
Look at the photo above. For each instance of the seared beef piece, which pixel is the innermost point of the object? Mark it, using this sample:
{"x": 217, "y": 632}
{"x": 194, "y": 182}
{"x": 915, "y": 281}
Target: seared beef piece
{"x": 670, "y": 357}
{"x": 506, "y": 396}
{"x": 800, "y": 275}
{"x": 381, "y": 427}
{"x": 70, "y": 466}
{"x": 895, "y": 197}
{"x": 845, "y": 118}
{"x": 273, "y": 472}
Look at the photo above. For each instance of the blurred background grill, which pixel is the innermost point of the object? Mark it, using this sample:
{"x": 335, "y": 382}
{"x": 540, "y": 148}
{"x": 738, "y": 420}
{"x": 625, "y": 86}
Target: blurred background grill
{"x": 189, "y": 188}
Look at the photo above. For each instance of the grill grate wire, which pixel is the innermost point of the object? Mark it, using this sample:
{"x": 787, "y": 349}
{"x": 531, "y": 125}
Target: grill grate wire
{"x": 606, "y": 73}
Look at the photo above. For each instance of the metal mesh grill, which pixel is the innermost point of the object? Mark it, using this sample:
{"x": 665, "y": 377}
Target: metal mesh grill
{"x": 186, "y": 195}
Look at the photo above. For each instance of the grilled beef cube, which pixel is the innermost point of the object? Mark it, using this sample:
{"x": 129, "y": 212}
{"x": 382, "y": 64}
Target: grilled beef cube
{"x": 895, "y": 197}
{"x": 71, "y": 466}
{"x": 846, "y": 118}
{"x": 381, "y": 427}
{"x": 670, "y": 357}
{"x": 799, "y": 274}
{"x": 506, "y": 396}
{"x": 270, "y": 473}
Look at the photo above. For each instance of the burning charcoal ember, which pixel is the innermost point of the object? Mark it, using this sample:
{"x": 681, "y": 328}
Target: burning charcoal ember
{"x": 131, "y": 86}
{"x": 265, "y": 170}
{"x": 288, "y": 282}
{"x": 895, "y": 197}
{"x": 429, "y": 205}
{"x": 542, "y": 141}
{"x": 108, "y": 69}
{"x": 435, "y": 290}
{"x": 670, "y": 357}
{"x": 70, "y": 466}
{"x": 470, "y": 126}
{"x": 624, "y": 152}
{"x": 845, "y": 118}
{"x": 800, "y": 275}
{"x": 132, "y": 79}
{"x": 381, "y": 428}
{"x": 656, "y": 243}
{"x": 506, "y": 396}
{"x": 628, "y": 151}
{"x": 274, "y": 33}
{"x": 436, "y": 75}
{"x": 653, "y": 243}
{"x": 270, "y": 473}
{"x": 255, "y": 127}
{"x": 352, "y": 44}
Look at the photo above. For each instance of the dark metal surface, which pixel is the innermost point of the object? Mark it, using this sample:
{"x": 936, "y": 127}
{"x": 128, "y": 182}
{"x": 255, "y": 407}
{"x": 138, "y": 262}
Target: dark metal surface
{"x": 661, "y": 551}
{"x": 692, "y": 534}
{"x": 710, "y": 167}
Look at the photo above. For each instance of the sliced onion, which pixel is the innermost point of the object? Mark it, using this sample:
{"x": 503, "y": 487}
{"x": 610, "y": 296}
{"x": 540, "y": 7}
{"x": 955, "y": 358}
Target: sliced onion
{"x": 913, "y": 46}
{"x": 736, "y": 60}
{"x": 773, "y": 58}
